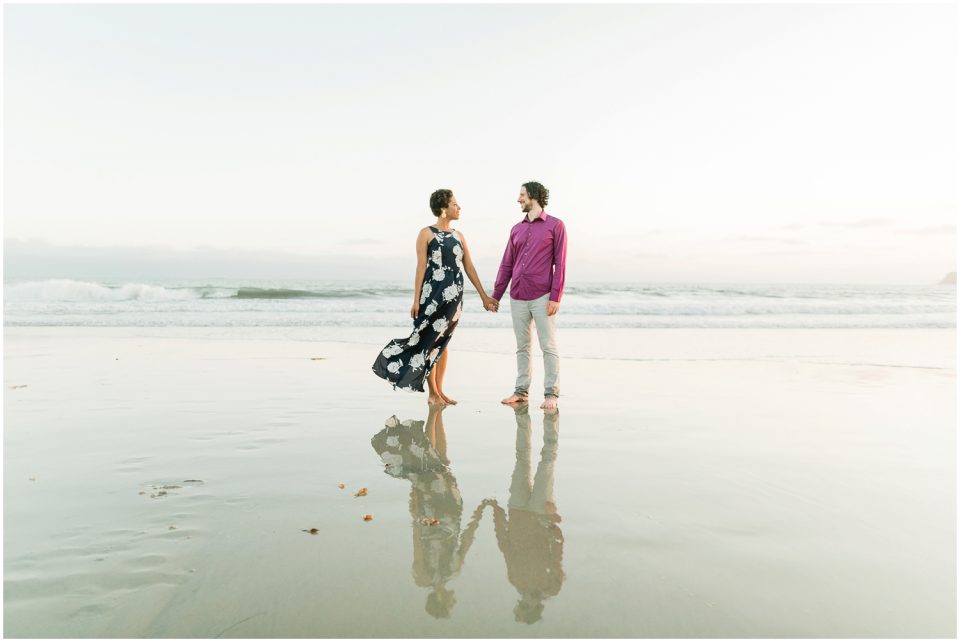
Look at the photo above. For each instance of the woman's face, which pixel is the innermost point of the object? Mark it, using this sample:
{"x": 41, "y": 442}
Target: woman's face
{"x": 453, "y": 209}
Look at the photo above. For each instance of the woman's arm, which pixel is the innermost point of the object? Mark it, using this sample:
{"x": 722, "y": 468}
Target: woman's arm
{"x": 472, "y": 274}
{"x": 423, "y": 239}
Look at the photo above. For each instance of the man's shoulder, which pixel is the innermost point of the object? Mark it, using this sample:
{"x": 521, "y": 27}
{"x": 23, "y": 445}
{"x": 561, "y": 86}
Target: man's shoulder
{"x": 554, "y": 220}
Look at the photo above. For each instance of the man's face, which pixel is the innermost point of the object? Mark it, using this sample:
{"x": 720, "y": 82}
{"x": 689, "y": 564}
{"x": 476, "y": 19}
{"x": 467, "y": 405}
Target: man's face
{"x": 526, "y": 203}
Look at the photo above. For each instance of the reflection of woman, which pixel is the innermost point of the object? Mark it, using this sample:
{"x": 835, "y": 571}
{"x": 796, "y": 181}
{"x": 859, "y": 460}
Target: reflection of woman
{"x": 418, "y": 452}
{"x": 442, "y": 260}
{"x": 529, "y": 536}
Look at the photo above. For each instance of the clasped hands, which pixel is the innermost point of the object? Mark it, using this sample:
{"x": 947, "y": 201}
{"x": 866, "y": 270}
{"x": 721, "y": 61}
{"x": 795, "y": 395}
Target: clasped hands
{"x": 489, "y": 303}
{"x": 492, "y": 305}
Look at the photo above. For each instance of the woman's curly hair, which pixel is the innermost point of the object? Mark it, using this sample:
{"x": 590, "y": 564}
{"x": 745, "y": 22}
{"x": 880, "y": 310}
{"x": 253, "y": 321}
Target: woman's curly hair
{"x": 537, "y": 192}
{"x": 440, "y": 200}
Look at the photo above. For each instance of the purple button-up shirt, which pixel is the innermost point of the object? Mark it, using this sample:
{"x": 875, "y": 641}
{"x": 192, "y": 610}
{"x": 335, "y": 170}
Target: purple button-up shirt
{"x": 535, "y": 259}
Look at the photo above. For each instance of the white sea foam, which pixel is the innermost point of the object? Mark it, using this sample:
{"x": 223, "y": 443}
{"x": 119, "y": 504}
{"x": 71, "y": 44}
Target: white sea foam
{"x": 63, "y": 290}
{"x": 303, "y": 303}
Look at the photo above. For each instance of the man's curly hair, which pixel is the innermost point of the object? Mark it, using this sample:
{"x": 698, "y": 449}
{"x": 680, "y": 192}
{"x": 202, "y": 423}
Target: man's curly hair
{"x": 440, "y": 200}
{"x": 537, "y": 192}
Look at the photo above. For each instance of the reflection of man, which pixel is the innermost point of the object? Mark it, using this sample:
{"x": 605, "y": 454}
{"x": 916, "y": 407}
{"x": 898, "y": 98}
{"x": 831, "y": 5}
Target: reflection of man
{"x": 529, "y": 536}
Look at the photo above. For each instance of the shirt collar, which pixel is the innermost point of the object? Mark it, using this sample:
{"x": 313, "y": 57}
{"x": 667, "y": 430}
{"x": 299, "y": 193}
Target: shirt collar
{"x": 542, "y": 217}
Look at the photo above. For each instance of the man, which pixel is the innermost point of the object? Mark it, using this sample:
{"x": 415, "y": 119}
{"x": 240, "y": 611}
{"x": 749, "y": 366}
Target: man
{"x": 535, "y": 262}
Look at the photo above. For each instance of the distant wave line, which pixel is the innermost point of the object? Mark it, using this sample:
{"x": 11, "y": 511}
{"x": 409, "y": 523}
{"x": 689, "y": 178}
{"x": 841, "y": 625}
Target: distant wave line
{"x": 67, "y": 290}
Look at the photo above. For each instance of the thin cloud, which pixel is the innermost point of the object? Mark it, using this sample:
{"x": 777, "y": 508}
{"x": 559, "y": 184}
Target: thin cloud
{"x": 790, "y": 252}
{"x": 862, "y": 223}
{"x": 933, "y": 230}
{"x": 769, "y": 239}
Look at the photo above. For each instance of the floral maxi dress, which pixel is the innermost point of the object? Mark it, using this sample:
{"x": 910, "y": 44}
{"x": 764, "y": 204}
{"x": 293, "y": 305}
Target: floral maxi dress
{"x": 408, "y": 361}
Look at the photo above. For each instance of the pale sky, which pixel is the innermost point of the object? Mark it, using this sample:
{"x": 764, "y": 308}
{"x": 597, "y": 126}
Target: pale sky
{"x": 800, "y": 143}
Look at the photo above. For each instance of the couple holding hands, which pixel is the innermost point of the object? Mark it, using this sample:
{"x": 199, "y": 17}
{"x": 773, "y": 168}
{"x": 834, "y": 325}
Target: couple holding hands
{"x": 534, "y": 263}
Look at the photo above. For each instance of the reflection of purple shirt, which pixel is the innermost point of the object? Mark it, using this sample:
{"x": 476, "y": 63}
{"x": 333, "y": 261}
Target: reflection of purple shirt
{"x": 535, "y": 259}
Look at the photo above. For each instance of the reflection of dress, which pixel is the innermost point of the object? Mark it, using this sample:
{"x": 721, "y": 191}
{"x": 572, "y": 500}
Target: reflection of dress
{"x": 408, "y": 454}
{"x": 407, "y": 361}
{"x": 438, "y": 550}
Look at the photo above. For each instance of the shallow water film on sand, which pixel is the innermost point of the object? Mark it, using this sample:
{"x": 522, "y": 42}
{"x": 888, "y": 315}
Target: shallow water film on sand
{"x": 256, "y": 482}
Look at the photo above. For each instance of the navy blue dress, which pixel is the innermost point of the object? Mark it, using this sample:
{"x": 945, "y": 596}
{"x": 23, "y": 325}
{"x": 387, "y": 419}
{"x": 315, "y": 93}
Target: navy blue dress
{"x": 406, "y": 362}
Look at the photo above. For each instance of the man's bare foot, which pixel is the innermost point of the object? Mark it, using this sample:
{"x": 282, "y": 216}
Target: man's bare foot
{"x": 512, "y": 399}
{"x": 434, "y": 400}
{"x": 550, "y": 403}
{"x": 446, "y": 399}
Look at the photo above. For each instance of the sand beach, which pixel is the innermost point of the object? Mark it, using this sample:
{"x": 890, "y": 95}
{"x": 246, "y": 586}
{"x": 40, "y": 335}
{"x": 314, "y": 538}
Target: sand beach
{"x": 163, "y": 482}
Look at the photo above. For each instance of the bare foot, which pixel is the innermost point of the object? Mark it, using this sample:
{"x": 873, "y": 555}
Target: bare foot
{"x": 550, "y": 403}
{"x": 446, "y": 399}
{"x": 434, "y": 400}
{"x": 512, "y": 399}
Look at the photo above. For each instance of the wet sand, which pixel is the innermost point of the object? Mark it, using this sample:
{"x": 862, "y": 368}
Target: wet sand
{"x": 710, "y": 483}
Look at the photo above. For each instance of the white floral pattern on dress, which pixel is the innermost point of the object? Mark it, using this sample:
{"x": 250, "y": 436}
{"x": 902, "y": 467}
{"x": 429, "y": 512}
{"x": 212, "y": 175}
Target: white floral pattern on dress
{"x": 414, "y": 339}
{"x": 425, "y": 292}
{"x": 440, "y": 325}
{"x": 394, "y": 366}
{"x": 450, "y": 292}
{"x": 430, "y": 309}
{"x": 392, "y": 350}
{"x": 438, "y": 273}
{"x": 434, "y": 354}
{"x": 437, "y": 257}
{"x": 417, "y": 361}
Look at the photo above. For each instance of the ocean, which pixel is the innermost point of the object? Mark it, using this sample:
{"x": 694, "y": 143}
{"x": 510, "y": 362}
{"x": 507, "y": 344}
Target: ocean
{"x": 301, "y": 303}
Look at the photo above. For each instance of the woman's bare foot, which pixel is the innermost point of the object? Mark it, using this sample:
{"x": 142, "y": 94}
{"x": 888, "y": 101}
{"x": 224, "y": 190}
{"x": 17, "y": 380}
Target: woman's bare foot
{"x": 435, "y": 400}
{"x": 446, "y": 399}
{"x": 512, "y": 399}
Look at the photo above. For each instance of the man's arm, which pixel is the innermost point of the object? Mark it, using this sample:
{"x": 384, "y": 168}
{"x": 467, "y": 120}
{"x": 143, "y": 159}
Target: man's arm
{"x": 505, "y": 271}
{"x": 559, "y": 268}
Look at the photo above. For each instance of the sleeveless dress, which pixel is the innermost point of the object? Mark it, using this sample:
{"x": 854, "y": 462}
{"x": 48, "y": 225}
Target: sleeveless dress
{"x": 406, "y": 362}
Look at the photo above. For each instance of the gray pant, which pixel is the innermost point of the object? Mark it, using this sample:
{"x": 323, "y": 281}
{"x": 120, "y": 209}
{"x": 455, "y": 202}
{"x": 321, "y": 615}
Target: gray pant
{"x": 524, "y": 314}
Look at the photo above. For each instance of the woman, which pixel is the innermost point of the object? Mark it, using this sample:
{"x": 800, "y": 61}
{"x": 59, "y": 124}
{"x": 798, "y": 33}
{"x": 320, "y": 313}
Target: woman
{"x": 442, "y": 258}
